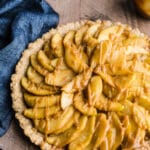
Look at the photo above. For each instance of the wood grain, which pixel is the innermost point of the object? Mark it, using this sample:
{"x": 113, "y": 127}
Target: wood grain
{"x": 116, "y": 10}
{"x": 75, "y": 10}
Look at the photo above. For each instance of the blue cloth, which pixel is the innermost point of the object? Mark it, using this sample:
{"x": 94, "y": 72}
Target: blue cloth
{"x": 21, "y": 21}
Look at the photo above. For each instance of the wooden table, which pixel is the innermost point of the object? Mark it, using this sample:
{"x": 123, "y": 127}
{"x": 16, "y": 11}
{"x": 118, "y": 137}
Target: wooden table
{"x": 75, "y": 10}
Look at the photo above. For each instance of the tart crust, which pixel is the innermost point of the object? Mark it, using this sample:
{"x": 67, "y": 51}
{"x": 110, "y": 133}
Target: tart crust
{"x": 17, "y": 96}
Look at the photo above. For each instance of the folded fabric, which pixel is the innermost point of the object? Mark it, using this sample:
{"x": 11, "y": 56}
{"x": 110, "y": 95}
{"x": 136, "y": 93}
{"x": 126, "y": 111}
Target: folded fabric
{"x": 21, "y": 21}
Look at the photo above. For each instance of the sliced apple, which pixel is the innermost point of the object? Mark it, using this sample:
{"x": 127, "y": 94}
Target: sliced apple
{"x": 34, "y": 76}
{"x": 139, "y": 116}
{"x": 110, "y": 92}
{"x": 79, "y": 34}
{"x": 36, "y": 89}
{"x": 59, "y": 63}
{"x": 101, "y": 130}
{"x": 111, "y": 134}
{"x": 85, "y": 137}
{"x": 124, "y": 82}
{"x": 79, "y": 82}
{"x": 133, "y": 134}
{"x": 41, "y": 101}
{"x": 136, "y": 41}
{"x": 70, "y": 134}
{"x": 114, "y": 29}
{"x": 41, "y": 113}
{"x": 44, "y": 61}
{"x": 66, "y": 99}
{"x": 91, "y": 45}
{"x": 70, "y": 123}
{"x": 119, "y": 131}
{"x": 47, "y": 50}
{"x": 82, "y": 106}
{"x": 105, "y": 76}
{"x": 57, "y": 45}
{"x": 119, "y": 64}
{"x": 101, "y": 53}
{"x": 75, "y": 58}
{"x": 59, "y": 77}
{"x": 37, "y": 66}
{"x": 91, "y": 31}
{"x": 95, "y": 58}
{"x": 94, "y": 89}
{"x": 69, "y": 38}
{"x": 89, "y": 38}
{"x": 104, "y": 145}
{"x": 52, "y": 125}
{"x": 103, "y": 104}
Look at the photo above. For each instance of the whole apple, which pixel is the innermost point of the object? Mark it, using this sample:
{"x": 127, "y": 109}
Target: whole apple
{"x": 143, "y": 7}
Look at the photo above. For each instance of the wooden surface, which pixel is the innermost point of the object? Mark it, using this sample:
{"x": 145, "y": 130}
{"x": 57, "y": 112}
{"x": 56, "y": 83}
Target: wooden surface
{"x": 75, "y": 10}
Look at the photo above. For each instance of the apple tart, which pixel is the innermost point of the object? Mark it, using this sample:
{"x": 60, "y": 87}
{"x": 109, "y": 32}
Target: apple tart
{"x": 85, "y": 86}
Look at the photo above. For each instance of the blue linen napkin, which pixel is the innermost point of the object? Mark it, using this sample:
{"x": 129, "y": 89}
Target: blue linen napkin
{"x": 21, "y": 21}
